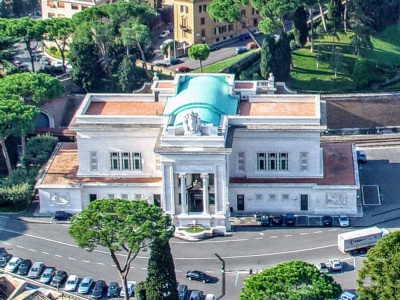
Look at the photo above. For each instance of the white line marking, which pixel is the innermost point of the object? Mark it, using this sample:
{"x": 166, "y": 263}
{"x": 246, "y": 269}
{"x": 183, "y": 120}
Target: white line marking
{"x": 273, "y": 237}
{"x": 180, "y": 271}
{"x": 207, "y": 242}
{"x": 71, "y": 258}
{"x": 317, "y": 232}
{"x": 287, "y": 235}
{"x": 261, "y": 233}
{"x": 209, "y": 271}
{"x": 99, "y": 263}
{"x": 20, "y": 247}
{"x": 304, "y": 233}
{"x": 332, "y": 229}
{"x": 260, "y": 238}
{"x": 86, "y": 261}
{"x": 45, "y": 252}
{"x": 32, "y": 250}
{"x": 57, "y": 255}
{"x": 7, "y": 243}
{"x": 144, "y": 268}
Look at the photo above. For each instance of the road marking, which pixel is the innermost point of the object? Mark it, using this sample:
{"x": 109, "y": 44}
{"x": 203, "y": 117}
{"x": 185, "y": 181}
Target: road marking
{"x": 261, "y": 233}
{"x": 304, "y": 233}
{"x": 260, "y": 238}
{"x": 86, "y": 261}
{"x": 32, "y": 250}
{"x": 207, "y": 242}
{"x": 71, "y": 258}
{"x": 7, "y": 243}
{"x": 144, "y": 268}
{"x": 273, "y": 237}
{"x": 179, "y": 271}
{"x": 317, "y": 232}
{"x": 57, "y": 255}
{"x": 99, "y": 263}
{"x": 332, "y": 229}
{"x": 286, "y": 235}
{"x": 20, "y": 247}
{"x": 45, "y": 252}
{"x": 209, "y": 271}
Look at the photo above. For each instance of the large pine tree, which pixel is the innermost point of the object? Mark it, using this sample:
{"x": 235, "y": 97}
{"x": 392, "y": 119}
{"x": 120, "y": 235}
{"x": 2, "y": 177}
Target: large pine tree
{"x": 161, "y": 279}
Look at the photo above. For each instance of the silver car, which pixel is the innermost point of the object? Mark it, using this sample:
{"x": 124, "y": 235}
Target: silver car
{"x": 86, "y": 285}
{"x": 47, "y": 275}
{"x": 36, "y": 270}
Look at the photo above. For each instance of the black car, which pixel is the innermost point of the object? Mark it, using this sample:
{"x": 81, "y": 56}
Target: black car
{"x": 277, "y": 219}
{"x": 98, "y": 289}
{"x": 199, "y": 276}
{"x": 327, "y": 221}
{"x": 59, "y": 278}
{"x": 4, "y": 258}
{"x": 61, "y": 215}
{"x": 244, "y": 36}
{"x": 264, "y": 220}
{"x": 174, "y": 61}
{"x": 24, "y": 267}
{"x": 113, "y": 289}
{"x": 290, "y": 219}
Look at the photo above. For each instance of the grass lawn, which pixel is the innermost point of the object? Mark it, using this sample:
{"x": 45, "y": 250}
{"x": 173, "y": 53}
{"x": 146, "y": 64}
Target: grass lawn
{"x": 217, "y": 67}
{"x": 307, "y": 78}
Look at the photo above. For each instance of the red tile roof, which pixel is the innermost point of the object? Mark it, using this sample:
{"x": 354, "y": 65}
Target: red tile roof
{"x": 125, "y": 108}
{"x": 277, "y": 109}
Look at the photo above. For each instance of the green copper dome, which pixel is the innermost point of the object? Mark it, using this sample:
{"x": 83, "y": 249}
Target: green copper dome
{"x": 206, "y": 95}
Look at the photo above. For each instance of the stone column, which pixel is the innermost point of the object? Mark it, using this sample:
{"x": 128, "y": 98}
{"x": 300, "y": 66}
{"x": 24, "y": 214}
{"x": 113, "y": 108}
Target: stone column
{"x": 182, "y": 176}
{"x": 204, "y": 176}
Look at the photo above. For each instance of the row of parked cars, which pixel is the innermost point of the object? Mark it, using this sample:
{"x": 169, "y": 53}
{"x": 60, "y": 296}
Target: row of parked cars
{"x": 289, "y": 219}
{"x": 60, "y": 279}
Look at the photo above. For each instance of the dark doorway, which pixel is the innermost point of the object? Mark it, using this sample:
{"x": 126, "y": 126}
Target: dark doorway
{"x": 195, "y": 203}
{"x": 92, "y": 197}
{"x": 240, "y": 202}
{"x": 42, "y": 121}
{"x": 304, "y": 202}
{"x": 157, "y": 200}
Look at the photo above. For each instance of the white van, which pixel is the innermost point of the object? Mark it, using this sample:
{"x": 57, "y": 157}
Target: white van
{"x": 347, "y": 296}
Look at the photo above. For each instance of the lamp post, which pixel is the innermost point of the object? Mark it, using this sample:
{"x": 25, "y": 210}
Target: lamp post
{"x": 223, "y": 275}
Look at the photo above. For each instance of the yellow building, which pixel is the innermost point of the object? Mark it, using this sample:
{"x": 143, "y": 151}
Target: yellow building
{"x": 193, "y": 25}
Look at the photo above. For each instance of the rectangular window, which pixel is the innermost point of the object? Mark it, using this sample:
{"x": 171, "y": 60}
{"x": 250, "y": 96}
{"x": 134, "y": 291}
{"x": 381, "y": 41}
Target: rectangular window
{"x": 243, "y": 12}
{"x": 285, "y": 197}
{"x": 241, "y": 161}
{"x": 272, "y": 161}
{"x": 203, "y": 33}
{"x": 223, "y": 29}
{"x": 158, "y": 162}
{"x": 111, "y": 196}
{"x": 126, "y": 160}
{"x": 255, "y": 22}
{"x": 94, "y": 163}
{"x": 61, "y": 4}
{"x": 114, "y": 156}
{"x": 258, "y": 196}
{"x": 136, "y": 161}
{"x": 202, "y": 21}
{"x": 50, "y": 4}
{"x": 138, "y": 196}
{"x": 84, "y": 7}
{"x": 303, "y": 161}
{"x": 230, "y": 27}
{"x": 202, "y": 8}
{"x": 74, "y": 6}
{"x": 272, "y": 197}
{"x": 211, "y": 199}
{"x": 254, "y": 11}
{"x": 157, "y": 200}
{"x": 92, "y": 197}
{"x": 51, "y": 15}
{"x": 61, "y": 15}
{"x": 243, "y": 25}
{"x": 125, "y": 196}
{"x": 184, "y": 9}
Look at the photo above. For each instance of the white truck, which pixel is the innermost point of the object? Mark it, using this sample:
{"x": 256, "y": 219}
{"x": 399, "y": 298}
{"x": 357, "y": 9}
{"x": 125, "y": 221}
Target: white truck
{"x": 360, "y": 240}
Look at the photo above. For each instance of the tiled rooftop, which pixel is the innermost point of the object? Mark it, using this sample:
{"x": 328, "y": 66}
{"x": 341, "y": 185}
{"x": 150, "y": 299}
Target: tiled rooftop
{"x": 277, "y": 109}
{"x": 125, "y": 108}
{"x": 338, "y": 169}
{"x": 164, "y": 85}
{"x": 244, "y": 85}
{"x": 64, "y": 167}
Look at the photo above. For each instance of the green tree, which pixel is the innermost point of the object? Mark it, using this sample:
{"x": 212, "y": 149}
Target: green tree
{"x": 16, "y": 118}
{"x": 129, "y": 76}
{"x": 268, "y": 63}
{"x": 120, "y": 225}
{"x": 363, "y": 73}
{"x": 229, "y": 11}
{"x": 300, "y": 26}
{"x": 30, "y": 32}
{"x": 283, "y": 58}
{"x": 379, "y": 275}
{"x": 161, "y": 279}
{"x": 199, "y": 52}
{"x": 59, "y": 31}
{"x": 294, "y": 280}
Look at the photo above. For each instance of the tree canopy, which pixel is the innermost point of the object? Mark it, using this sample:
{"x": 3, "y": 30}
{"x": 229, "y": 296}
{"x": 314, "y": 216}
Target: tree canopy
{"x": 379, "y": 275}
{"x": 294, "y": 280}
{"x": 120, "y": 225}
{"x": 199, "y": 52}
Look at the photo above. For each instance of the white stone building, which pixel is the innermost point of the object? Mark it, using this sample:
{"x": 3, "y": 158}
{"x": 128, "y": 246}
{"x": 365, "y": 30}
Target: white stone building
{"x": 203, "y": 147}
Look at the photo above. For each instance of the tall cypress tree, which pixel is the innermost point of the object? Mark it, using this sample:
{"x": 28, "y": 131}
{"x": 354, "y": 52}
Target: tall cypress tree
{"x": 283, "y": 58}
{"x": 267, "y": 64}
{"x": 161, "y": 279}
{"x": 300, "y": 26}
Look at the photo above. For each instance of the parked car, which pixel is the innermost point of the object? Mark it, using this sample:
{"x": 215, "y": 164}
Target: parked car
{"x": 290, "y": 219}
{"x": 59, "y": 278}
{"x": 62, "y": 215}
{"x": 164, "y": 34}
{"x": 4, "y": 259}
{"x": 277, "y": 219}
{"x": 36, "y": 270}
{"x": 24, "y": 267}
{"x": 322, "y": 268}
{"x": 44, "y": 61}
{"x": 361, "y": 156}
{"x": 13, "y": 264}
{"x": 257, "y": 32}
{"x": 72, "y": 283}
{"x": 182, "y": 291}
{"x": 17, "y": 63}
{"x": 196, "y": 295}
{"x": 173, "y": 61}
{"x": 264, "y": 220}
{"x": 182, "y": 69}
{"x": 251, "y": 45}
{"x": 98, "y": 289}
{"x": 327, "y": 221}
{"x": 113, "y": 289}
{"x": 244, "y": 36}
{"x": 199, "y": 276}
{"x": 348, "y": 296}
{"x": 57, "y": 64}
{"x": 86, "y": 285}
{"x": 47, "y": 275}
{"x": 210, "y": 297}
{"x": 240, "y": 50}
{"x": 343, "y": 220}
{"x": 130, "y": 289}
{"x": 335, "y": 264}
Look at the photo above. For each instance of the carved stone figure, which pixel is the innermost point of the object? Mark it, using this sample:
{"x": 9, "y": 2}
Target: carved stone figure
{"x": 192, "y": 123}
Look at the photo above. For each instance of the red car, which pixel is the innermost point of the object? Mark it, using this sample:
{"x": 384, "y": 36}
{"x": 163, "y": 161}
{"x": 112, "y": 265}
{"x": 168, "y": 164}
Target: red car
{"x": 183, "y": 69}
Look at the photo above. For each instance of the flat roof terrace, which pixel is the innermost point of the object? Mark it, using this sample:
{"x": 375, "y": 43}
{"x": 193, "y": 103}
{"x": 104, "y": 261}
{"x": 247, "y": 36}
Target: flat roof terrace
{"x": 125, "y": 108}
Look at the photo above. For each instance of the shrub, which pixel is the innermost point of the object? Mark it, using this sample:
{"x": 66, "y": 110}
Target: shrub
{"x": 21, "y": 176}
{"x": 38, "y": 150}
{"x": 363, "y": 73}
{"x": 17, "y": 194}
{"x": 140, "y": 290}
